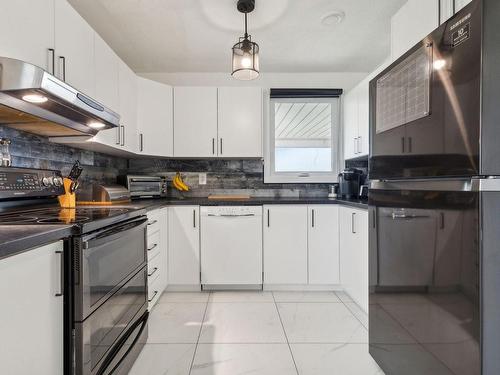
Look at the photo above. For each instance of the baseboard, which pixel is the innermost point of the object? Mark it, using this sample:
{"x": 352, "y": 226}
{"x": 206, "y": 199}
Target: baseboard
{"x": 302, "y": 288}
{"x": 183, "y": 288}
{"x": 223, "y": 287}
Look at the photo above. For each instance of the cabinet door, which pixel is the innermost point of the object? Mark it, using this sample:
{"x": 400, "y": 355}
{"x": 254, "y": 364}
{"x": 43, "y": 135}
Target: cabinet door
{"x": 74, "y": 41}
{"x": 323, "y": 240}
{"x": 360, "y": 294}
{"x": 155, "y": 118}
{"x": 127, "y": 89}
{"x": 363, "y": 118}
{"x": 350, "y": 124}
{"x": 412, "y": 23}
{"x": 195, "y": 121}
{"x": 285, "y": 244}
{"x": 31, "y": 318}
{"x": 459, "y": 4}
{"x": 106, "y": 74}
{"x": 240, "y": 122}
{"x": 183, "y": 245}
{"x": 27, "y": 31}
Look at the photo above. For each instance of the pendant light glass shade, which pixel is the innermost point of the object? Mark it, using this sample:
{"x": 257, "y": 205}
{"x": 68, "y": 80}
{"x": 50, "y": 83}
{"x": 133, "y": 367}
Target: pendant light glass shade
{"x": 245, "y": 59}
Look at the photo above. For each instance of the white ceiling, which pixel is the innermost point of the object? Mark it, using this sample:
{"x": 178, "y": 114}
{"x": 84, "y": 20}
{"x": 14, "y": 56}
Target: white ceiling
{"x": 197, "y": 35}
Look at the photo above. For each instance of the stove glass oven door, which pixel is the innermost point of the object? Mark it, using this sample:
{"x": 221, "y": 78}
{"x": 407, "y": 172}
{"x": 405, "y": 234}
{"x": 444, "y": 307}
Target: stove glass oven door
{"x": 104, "y": 260}
{"x": 424, "y": 279}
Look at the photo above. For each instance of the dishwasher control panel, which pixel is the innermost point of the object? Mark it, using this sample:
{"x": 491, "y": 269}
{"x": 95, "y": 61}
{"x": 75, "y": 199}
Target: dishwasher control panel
{"x": 231, "y": 211}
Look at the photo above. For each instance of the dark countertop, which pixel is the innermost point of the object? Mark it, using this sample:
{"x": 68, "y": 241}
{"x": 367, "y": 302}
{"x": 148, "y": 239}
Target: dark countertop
{"x": 15, "y": 239}
{"x": 151, "y": 204}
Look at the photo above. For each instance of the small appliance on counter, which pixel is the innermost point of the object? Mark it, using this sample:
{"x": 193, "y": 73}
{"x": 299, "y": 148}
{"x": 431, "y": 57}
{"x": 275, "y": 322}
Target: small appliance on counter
{"x": 363, "y": 192}
{"x": 144, "y": 186}
{"x": 334, "y": 191}
{"x": 5, "y": 157}
{"x": 97, "y": 194}
{"x": 350, "y": 181}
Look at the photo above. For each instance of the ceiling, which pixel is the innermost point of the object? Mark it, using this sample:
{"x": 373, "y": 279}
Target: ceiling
{"x": 197, "y": 35}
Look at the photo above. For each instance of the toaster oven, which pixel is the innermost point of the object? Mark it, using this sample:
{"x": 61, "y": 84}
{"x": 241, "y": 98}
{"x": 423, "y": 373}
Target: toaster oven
{"x": 144, "y": 186}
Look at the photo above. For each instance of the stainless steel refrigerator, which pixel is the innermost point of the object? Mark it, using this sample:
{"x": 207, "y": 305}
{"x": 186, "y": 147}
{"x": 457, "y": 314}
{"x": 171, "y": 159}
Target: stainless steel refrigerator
{"x": 434, "y": 202}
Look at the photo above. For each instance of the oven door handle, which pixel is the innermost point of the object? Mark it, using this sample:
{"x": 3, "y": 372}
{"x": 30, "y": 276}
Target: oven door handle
{"x": 109, "y": 359}
{"x": 110, "y": 234}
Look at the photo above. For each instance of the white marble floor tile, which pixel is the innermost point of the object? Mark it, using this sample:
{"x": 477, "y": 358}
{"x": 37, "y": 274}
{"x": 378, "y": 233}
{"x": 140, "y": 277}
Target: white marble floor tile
{"x": 344, "y": 297}
{"x": 321, "y": 323}
{"x": 163, "y": 359}
{"x": 341, "y": 359}
{"x": 250, "y": 322}
{"x": 184, "y": 297}
{"x": 176, "y": 323}
{"x": 247, "y": 296}
{"x": 306, "y": 297}
{"x": 358, "y": 313}
{"x": 243, "y": 359}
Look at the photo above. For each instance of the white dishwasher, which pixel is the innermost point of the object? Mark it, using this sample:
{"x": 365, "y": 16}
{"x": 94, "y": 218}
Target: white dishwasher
{"x": 231, "y": 247}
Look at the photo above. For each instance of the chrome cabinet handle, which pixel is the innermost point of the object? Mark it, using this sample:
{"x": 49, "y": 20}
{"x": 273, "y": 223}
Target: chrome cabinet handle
{"x": 62, "y": 68}
{"x": 141, "y": 142}
{"x": 410, "y": 145}
{"x": 153, "y": 272}
{"x": 221, "y": 146}
{"x": 152, "y": 222}
{"x": 61, "y": 279}
{"x": 52, "y": 60}
{"x": 213, "y": 146}
{"x": 118, "y": 136}
{"x": 312, "y": 216}
{"x": 355, "y": 147}
{"x": 153, "y": 247}
{"x": 352, "y": 222}
{"x": 223, "y": 215}
{"x": 359, "y": 145}
{"x": 194, "y": 218}
{"x": 154, "y": 295}
{"x": 123, "y": 135}
{"x": 268, "y": 218}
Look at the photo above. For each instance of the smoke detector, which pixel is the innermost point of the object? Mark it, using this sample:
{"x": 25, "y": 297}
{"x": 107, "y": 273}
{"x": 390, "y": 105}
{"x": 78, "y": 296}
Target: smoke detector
{"x": 333, "y": 18}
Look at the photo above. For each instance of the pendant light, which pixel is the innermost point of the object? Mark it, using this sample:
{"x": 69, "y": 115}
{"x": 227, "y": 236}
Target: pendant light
{"x": 245, "y": 52}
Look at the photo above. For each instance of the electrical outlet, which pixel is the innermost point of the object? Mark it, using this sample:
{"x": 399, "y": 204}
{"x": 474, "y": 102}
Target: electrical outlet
{"x": 202, "y": 178}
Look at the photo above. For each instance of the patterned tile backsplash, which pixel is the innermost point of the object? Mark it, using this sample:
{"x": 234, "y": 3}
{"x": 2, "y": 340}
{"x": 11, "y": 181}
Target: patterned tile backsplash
{"x": 224, "y": 176}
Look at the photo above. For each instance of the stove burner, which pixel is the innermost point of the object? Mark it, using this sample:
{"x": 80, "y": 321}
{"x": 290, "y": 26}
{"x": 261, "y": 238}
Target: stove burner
{"x": 56, "y": 220}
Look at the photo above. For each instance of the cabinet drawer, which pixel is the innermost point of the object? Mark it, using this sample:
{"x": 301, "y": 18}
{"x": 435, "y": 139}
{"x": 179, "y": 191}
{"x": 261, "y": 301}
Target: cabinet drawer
{"x": 154, "y": 292}
{"x": 154, "y": 245}
{"x": 154, "y": 222}
{"x": 154, "y": 268}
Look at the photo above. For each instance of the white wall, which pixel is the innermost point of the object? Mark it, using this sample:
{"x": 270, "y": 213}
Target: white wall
{"x": 266, "y": 80}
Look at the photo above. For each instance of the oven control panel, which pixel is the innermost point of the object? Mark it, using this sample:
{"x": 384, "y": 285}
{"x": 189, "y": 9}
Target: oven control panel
{"x": 24, "y": 182}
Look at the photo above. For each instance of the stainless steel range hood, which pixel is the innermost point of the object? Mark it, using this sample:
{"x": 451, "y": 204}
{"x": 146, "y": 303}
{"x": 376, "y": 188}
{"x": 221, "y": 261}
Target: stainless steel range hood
{"x": 35, "y": 101}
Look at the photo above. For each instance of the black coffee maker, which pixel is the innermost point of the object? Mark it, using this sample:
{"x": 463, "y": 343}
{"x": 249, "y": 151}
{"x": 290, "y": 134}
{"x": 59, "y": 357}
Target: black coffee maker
{"x": 350, "y": 181}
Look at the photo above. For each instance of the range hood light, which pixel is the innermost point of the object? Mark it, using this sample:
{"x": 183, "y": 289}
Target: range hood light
{"x": 35, "y": 98}
{"x": 96, "y": 125}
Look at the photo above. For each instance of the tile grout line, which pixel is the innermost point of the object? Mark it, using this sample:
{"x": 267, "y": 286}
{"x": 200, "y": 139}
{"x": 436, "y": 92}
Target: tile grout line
{"x": 355, "y": 316}
{"x": 199, "y": 333}
{"x": 286, "y": 336}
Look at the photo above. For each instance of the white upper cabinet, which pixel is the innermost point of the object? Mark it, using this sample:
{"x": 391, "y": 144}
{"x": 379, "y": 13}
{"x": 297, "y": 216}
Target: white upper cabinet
{"x": 240, "y": 122}
{"x": 106, "y": 74}
{"x": 27, "y": 31}
{"x": 74, "y": 41}
{"x": 195, "y": 121}
{"x": 285, "y": 244}
{"x": 412, "y": 23}
{"x": 155, "y": 118}
{"x": 450, "y": 7}
{"x": 127, "y": 89}
{"x": 323, "y": 244}
{"x": 351, "y": 115}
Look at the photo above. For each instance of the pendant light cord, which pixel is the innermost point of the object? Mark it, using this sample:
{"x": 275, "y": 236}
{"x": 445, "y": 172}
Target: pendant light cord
{"x": 246, "y": 33}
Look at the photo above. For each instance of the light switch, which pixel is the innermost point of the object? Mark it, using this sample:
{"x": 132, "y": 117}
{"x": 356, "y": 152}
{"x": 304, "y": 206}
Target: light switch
{"x": 202, "y": 178}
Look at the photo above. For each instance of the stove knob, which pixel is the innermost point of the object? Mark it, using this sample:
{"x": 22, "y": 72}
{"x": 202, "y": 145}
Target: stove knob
{"x": 58, "y": 181}
{"x": 45, "y": 181}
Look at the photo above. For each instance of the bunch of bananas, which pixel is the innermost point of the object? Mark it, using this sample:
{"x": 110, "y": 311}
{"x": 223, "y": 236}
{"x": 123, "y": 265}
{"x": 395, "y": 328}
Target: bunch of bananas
{"x": 179, "y": 184}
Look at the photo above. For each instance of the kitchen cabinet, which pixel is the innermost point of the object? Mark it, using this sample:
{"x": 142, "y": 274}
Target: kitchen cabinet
{"x": 31, "y": 318}
{"x": 323, "y": 244}
{"x": 415, "y": 20}
{"x": 184, "y": 247}
{"x": 195, "y": 121}
{"x": 357, "y": 120}
{"x": 285, "y": 244}
{"x": 450, "y": 7}
{"x": 157, "y": 251}
{"x": 127, "y": 88}
{"x": 353, "y": 234}
{"x": 240, "y": 122}
{"x": 27, "y": 31}
{"x": 155, "y": 118}
{"x": 74, "y": 44}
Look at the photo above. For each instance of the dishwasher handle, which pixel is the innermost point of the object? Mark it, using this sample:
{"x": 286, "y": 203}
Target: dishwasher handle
{"x": 229, "y": 215}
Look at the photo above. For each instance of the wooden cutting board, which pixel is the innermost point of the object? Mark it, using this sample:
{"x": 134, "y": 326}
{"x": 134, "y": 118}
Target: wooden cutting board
{"x": 229, "y": 197}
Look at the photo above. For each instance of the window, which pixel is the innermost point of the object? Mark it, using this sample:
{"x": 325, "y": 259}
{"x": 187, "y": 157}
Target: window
{"x": 302, "y": 139}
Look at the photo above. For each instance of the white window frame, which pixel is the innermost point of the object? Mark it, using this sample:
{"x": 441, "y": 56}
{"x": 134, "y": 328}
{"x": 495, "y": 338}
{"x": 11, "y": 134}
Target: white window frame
{"x": 270, "y": 174}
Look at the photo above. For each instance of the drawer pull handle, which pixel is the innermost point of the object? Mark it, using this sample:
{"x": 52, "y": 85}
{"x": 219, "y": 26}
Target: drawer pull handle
{"x": 152, "y": 222}
{"x": 153, "y": 272}
{"x": 154, "y": 295}
{"x": 153, "y": 247}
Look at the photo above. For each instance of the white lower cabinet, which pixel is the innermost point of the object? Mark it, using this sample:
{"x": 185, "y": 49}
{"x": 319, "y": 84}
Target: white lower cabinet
{"x": 323, "y": 244}
{"x": 184, "y": 247}
{"x": 157, "y": 252}
{"x": 353, "y": 232}
{"x": 285, "y": 244}
{"x": 31, "y": 317}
